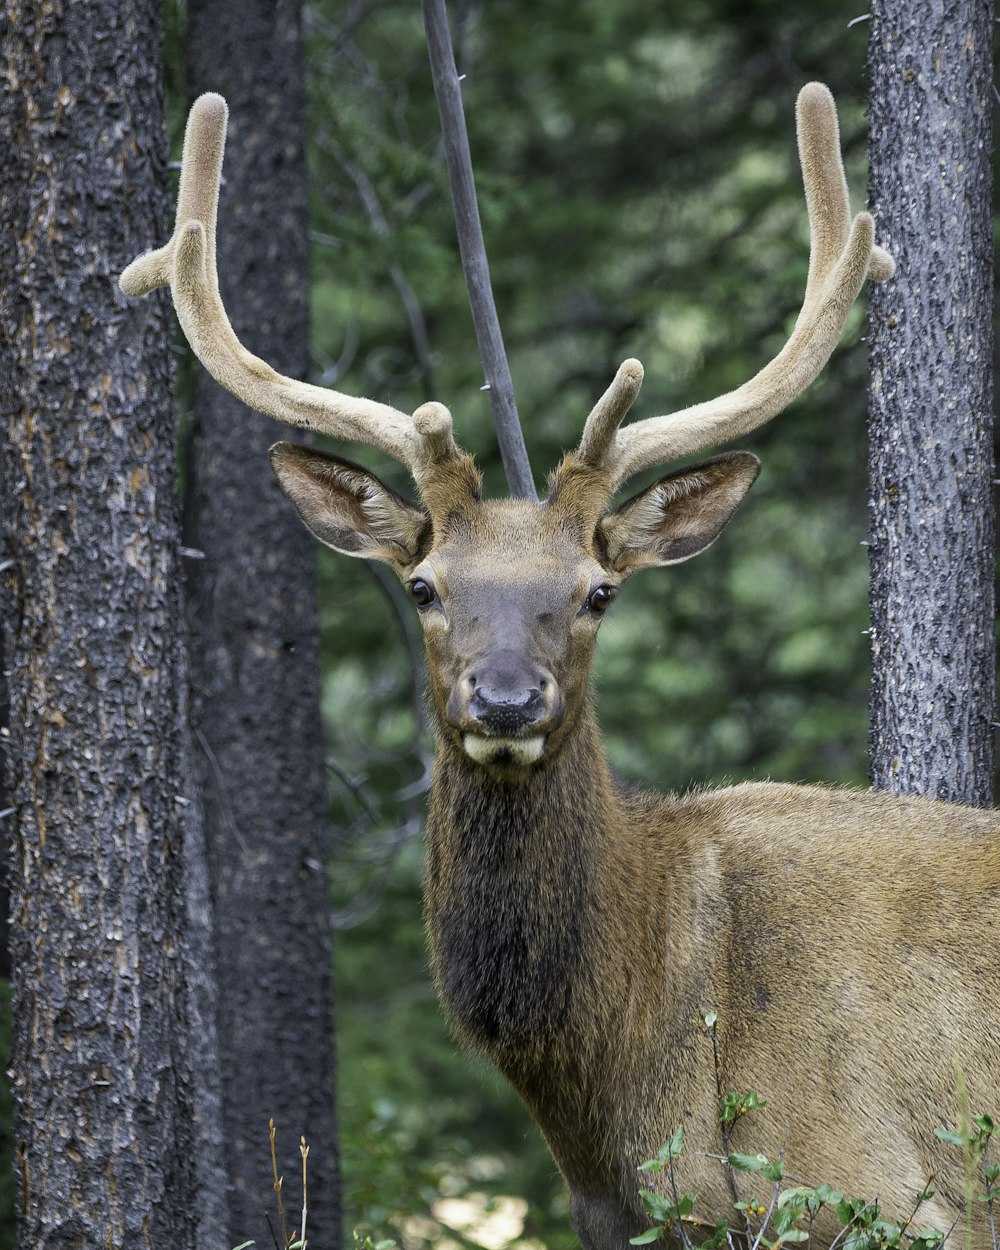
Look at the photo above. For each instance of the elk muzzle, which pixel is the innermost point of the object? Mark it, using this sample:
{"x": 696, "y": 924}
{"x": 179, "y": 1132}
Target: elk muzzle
{"x": 505, "y": 707}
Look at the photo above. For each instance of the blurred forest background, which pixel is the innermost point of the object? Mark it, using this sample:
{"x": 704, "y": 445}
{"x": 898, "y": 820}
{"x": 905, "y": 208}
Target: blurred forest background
{"x": 640, "y": 195}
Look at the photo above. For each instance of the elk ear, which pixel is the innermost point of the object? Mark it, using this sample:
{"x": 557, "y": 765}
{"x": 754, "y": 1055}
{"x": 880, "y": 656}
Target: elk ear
{"x": 678, "y": 516}
{"x": 348, "y": 508}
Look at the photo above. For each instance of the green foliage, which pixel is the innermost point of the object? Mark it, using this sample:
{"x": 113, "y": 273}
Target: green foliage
{"x": 788, "y": 1216}
{"x": 734, "y": 1105}
{"x": 366, "y": 1243}
{"x": 974, "y": 1141}
{"x": 671, "y": 1149}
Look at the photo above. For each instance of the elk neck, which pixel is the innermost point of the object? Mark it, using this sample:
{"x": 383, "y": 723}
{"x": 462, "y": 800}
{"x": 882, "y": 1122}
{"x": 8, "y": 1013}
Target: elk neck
{"x": 533, "y": 878}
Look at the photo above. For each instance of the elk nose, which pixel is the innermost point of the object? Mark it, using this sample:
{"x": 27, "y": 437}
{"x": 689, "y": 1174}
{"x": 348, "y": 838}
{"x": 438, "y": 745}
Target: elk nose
{"x": 506, "y": 711}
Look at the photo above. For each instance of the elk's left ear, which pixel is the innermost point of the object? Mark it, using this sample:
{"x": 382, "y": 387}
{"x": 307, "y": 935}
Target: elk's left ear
{"x": 348, "y": 508}
{"x": 680, "y": 515}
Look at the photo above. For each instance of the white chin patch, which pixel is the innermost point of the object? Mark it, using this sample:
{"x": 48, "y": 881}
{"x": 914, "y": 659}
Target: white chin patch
{"x": 503, "y": 750}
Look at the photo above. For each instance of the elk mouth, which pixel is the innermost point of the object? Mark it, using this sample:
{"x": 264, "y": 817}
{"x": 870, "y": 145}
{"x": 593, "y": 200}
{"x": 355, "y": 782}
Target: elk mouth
{"x": 497, "y": 749}
{"x": 504, "y": 709}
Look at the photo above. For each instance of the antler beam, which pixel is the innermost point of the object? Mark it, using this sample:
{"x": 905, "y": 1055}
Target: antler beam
{"x": 187, "y": 265}
{"x": 842, "y": 254}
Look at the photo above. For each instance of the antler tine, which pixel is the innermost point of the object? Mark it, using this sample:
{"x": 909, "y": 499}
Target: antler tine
{"x": 827, "y": 200}
{"x": 187, "y": 264}
{"x": 197, "y": 196}
{"x": 841, "y": 256}
{"x": 609, "y": 412}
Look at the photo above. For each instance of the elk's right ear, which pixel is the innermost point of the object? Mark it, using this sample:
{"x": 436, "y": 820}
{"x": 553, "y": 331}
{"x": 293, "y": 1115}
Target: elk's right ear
{"x": 348, "y": 508}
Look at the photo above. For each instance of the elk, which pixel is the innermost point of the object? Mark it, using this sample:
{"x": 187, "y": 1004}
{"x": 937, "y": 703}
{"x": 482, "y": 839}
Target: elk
{"x": 579, "y": 930}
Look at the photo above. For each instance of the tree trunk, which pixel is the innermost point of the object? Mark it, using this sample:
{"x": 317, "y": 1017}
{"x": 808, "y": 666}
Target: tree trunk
{"x": 6, "y": 811}
{"x": 256, "y": 652}
{"x": 931, "y": 399}
{"x": 116, "y": 1115}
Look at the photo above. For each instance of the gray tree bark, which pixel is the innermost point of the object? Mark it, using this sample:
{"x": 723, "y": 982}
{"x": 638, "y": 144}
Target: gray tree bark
{"x": 256, "y": 662}
{"x": 930, "y": 401}
{"x": 116, "y": 1109}
{"x": 6, "y": 811}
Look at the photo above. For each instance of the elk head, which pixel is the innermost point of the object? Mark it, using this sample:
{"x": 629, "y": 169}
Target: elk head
{"x": 511, "y": 592}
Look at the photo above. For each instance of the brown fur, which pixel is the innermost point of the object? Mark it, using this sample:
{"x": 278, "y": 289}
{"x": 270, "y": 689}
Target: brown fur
{"x": 846, "y": 941}
{"x": 579, "y": 931}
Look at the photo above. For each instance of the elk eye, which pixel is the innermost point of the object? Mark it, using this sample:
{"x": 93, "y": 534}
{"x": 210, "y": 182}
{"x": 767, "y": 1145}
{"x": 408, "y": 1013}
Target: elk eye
{"x": 422, "y": 592}
{"x": 602, "y": 598}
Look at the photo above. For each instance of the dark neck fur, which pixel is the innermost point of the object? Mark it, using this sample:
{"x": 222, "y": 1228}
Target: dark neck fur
{"x": 511, "y": 875}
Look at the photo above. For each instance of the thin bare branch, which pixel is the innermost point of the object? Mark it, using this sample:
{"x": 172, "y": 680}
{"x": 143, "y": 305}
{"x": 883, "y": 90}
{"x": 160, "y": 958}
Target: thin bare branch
{"x": 499, "y": 386}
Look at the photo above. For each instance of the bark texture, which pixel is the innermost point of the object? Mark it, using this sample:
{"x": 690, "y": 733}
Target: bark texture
{"x": 256, "y": 661}
{"x": 116, "y": 1115}
{"x": 6, "y": 811}
{"x": 931, "y": 400}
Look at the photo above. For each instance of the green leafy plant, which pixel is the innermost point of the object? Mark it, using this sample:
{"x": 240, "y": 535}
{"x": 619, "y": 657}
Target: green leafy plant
{"x": 785, "y": 1219}
{"x": 973, "y": 1137}
{"x": 366, "y": 1243}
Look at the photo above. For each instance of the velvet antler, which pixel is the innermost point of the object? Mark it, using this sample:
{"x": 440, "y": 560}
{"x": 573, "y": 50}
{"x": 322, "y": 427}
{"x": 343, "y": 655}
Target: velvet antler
{"x": 842, "y": 255}
{"x": 187, "y": 265}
